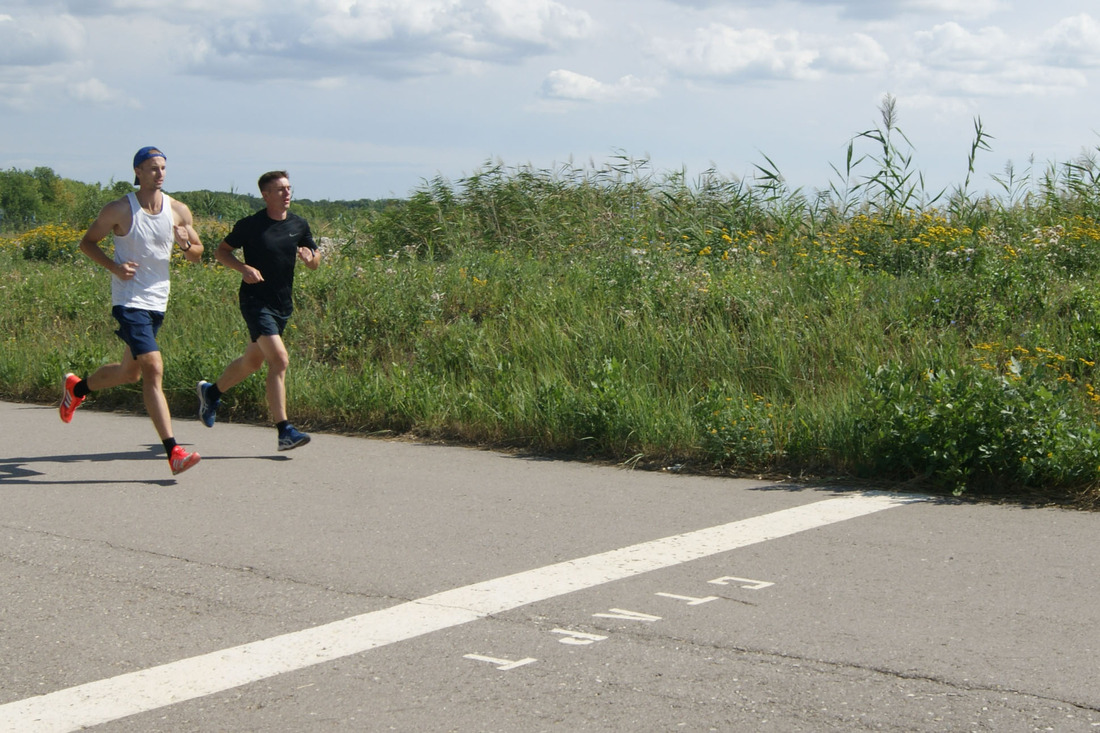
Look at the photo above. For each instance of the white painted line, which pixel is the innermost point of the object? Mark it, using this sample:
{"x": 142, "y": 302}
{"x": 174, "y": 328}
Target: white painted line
{"x": 578, "y": 638}
{"x": 690, "y": 600}
{"x": 110, "y": 699}
{"x": 504, "y": 665}
{"x": 622, "y": 613}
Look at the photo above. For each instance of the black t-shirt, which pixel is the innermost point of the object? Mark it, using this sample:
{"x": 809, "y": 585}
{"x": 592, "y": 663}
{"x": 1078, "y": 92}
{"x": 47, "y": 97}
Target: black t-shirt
{"x": 272, "y": 248}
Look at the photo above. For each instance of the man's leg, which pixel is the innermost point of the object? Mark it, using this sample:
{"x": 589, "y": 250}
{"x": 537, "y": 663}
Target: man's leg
{"x": 152, "y": 389}
{"x": 274, "y": 353}
{"x": 277, "y": 362}
{"x": 75, "y": 390}
{"x": 241, "y": 368}
{"x": 152, "y": 377}
{"x": 149, "y": 368}
{"x": 126, "y": 371}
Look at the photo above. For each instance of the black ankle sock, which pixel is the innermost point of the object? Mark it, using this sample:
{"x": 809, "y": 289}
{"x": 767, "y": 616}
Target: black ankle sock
{"x": 80, "y": 389}
{"x": 281, "y": 426}
{"x": 169, "y": 444}
{"x": 213, "y": 393}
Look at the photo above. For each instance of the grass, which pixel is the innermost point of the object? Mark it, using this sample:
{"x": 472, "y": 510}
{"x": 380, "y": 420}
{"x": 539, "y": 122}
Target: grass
{"x": 736, "y": 327}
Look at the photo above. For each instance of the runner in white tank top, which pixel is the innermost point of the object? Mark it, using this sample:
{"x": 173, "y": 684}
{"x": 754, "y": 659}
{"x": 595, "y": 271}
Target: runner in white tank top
{"x": 145, "y": 225}
{"x": 148, "y": 243}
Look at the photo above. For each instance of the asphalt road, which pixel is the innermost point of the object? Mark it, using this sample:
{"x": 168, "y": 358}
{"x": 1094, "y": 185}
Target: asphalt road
{"x": 372, "y": 585}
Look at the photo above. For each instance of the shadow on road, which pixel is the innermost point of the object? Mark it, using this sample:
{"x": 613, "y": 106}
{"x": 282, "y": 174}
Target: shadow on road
{"x": 16, "y": 470}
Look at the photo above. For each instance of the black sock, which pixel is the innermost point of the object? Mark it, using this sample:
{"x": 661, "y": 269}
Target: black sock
{"x": 213, "y": 394}
{"x": 169, "y": 444}
{"x": 80, "y": 389}
{"x": 281, "y": 426}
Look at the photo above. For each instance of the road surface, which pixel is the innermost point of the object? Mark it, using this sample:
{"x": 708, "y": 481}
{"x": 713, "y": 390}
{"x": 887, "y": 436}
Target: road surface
{"x": 374, "y": 585}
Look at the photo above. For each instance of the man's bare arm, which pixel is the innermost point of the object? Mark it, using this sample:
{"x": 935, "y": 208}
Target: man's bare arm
{"x": 114, "y": 218}
{"x": 186, "y": 237}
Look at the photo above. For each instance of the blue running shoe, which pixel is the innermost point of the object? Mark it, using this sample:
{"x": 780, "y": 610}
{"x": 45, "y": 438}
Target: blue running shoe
{"x": 291, "y": 437}
{"x": 208, "y": 409}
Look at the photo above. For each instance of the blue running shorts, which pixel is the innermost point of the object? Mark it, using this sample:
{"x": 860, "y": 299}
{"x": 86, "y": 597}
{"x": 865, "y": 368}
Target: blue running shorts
{"x": 138, "y": 328}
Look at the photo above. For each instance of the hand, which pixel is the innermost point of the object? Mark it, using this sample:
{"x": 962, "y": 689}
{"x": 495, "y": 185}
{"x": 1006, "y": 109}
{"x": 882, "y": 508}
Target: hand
{"x": 305, "y": 254}
{"x": 126, "y": 270}
{"x": 183, "y": 237}
{"x": 251, "y": 275}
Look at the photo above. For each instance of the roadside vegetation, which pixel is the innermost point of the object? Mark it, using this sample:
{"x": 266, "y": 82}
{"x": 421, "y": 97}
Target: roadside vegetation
{"x": 872, "y": 330}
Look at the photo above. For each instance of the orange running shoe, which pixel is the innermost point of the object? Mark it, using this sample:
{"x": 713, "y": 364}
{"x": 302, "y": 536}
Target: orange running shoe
{"x": 69, "y": 401}
{"x": 181, "y": 460}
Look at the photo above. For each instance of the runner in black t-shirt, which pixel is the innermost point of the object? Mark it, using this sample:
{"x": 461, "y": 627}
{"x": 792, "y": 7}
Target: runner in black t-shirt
{"x": 272, "y": 240}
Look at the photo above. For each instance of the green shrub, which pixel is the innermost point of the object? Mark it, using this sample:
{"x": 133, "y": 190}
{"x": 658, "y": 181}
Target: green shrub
{"x": 973, "y": 428}
{"x": 742, "y": 431}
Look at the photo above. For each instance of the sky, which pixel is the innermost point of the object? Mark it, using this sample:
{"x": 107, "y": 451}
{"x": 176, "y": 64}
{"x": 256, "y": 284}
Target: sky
{"x": 374, "y": 98}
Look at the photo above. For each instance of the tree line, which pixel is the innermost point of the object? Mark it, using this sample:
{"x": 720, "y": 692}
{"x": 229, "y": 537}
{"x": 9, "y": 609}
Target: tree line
{"x": 30, "y": 198}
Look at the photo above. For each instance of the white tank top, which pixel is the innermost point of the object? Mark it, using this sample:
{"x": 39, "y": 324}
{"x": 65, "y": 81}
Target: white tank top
{"x": 148, "y": 243}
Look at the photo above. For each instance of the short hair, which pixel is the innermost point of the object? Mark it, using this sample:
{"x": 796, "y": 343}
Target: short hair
{"x": 270, "y": 176}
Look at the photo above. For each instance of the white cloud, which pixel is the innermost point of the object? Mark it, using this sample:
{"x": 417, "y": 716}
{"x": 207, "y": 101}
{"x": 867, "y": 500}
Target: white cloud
{"x": 728, "y": 54}
{"x": 883, "y": 9}
{"x": 990, "y": 63}
{"x": 967, "y": 9}
{"x": 562, "y": 84}
{"x": 39, "y": 40}
{"x": 310, "y": 39}
{"x": 1015, "y": 80}
{"x": 870, "y": 9}
{"x": 1073, "y": 41}
{"x": 175, "y": 11}
{"x": 411, "y": 37}
{"x": 858, "y": 53}
{"x": 949, "y": 45}
{"x": 538, "y": 22}
{"x": 381, "y": 20}
{"x": 96, "y": 92}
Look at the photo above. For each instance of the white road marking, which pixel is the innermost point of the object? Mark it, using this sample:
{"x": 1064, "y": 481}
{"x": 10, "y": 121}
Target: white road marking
{"x": 137, "y": 692}
{"x": 578, "y": 638}
{"x": 690, "y": 600}
{"x": 504, "y": 665}
{"x": 625, "y": 615}
{"x": 750, "y": 584}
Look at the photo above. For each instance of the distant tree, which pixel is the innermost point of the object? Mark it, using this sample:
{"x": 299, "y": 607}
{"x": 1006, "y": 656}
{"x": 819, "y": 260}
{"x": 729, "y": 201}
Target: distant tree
{"x": 40, "y": 196}
{"x": 20, "y": 199}
{"x": 218, "y": 204}
{"x": 88, "y": 198}
{"x": 57, "y": 197}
